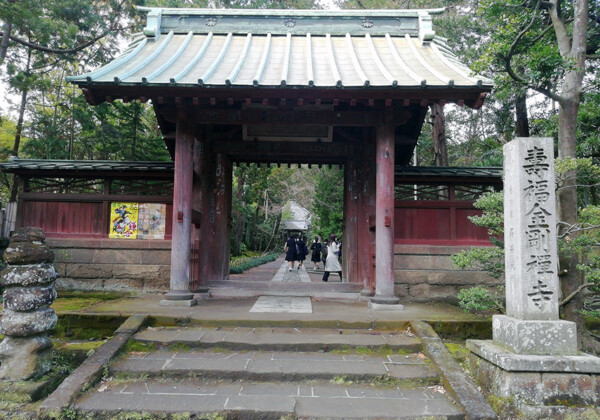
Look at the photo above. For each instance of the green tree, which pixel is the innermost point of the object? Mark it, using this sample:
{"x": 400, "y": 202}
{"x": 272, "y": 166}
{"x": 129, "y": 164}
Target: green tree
{"x": 328, "y": 203}
{"x": 547, "y": 46}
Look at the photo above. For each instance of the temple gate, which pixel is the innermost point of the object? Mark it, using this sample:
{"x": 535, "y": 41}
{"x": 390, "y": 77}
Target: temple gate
{"x": 286, "y": 86}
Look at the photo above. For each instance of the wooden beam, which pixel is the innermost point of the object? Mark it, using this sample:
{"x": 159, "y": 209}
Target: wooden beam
{"x": 96, "y": 198}
{"x": 283, "y": 116}
{"x": 282, "y": 149}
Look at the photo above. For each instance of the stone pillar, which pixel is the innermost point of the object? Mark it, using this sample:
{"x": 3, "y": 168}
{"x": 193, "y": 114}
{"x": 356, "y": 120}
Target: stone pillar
{"x": 384, "y": 217}
{"x": 533, "y": 357}
{"x": 182, "y": 215}
{"x": 531, "y": 324}
{"x": 25, "y": 352}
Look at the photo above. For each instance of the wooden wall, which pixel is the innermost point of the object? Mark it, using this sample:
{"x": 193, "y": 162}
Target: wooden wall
{"x": 72, "y": 219}
{"x": 443, "y": 222}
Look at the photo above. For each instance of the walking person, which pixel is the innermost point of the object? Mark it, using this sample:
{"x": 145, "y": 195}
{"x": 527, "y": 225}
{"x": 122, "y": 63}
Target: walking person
{"x": 315, "y": 248}
{"x": 290, "y": 251}
{"x": 302, "y": 251}
{"x": 332, "y": 263}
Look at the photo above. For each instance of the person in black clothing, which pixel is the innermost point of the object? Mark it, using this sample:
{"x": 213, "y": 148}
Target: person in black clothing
{"x": 315, "y": 247}
{"x": 302, "y": 251}
{"x": 290, "y": 251}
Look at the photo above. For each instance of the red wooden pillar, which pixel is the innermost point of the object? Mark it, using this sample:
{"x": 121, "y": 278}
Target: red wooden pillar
{"x": 222, "y": 217}
{"x": 384, "y": 216}
{"x": 182, "y": 205}
{"x": 365, "y": 211}
{"x": 351, "y": 245}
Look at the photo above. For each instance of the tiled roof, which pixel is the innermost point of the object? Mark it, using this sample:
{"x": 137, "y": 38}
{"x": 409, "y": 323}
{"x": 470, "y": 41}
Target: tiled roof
{"x": 19, "y": 165}
{"x": 286, "y": 48}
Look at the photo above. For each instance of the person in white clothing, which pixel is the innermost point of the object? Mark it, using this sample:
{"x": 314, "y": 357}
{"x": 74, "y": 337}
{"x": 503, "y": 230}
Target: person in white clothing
{"x": 332, "y": 263}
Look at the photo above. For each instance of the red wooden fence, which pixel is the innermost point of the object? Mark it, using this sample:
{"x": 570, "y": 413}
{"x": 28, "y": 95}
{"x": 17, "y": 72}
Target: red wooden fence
{"x": 441, "y": 222}
{"x": 72, "y": 219}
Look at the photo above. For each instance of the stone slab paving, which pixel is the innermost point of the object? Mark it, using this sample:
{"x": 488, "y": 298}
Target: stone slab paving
{"x": 284, "y": 274}
{"x": 271, "y": 400}
{"x": 283, "y": 304}
{"x": 280, "y": 338}
{"x": 282, "y": 365}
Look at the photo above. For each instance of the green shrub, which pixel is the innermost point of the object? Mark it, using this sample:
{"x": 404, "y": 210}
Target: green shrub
{"x": 254, "y": 262}
{"x": 478, "y": 299}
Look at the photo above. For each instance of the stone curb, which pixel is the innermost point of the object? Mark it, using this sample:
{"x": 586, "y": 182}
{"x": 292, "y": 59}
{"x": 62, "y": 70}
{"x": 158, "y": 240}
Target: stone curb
{"x": 91, "y": 368}
{"x": 463, "y": 388}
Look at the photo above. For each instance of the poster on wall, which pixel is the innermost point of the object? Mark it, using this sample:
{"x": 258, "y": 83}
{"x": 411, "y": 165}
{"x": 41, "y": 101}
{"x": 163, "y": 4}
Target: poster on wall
{"x": 123, "y": 220}
{"x": 152, "y": 221}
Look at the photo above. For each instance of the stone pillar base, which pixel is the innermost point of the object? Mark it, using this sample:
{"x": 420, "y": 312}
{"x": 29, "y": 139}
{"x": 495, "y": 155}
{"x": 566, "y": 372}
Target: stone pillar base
{"x": 385, "y": 307}
{"x": 540, "y": 386}
{"x": 552, "y": 338}
{"x": 178, "y": 298}
{"x": 385, "y": 299}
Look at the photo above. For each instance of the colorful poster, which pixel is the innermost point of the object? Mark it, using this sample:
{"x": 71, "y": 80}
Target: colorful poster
{"x": 152, "y": 221}
{"x": 124, "y": 220}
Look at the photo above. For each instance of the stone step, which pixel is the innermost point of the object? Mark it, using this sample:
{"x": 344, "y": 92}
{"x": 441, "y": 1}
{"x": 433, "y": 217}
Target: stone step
{"x": 363, "y": 366}
{"x": 287, "y": 287}
{"x": 276, "y": 339}
{"x": 268, "y": 400}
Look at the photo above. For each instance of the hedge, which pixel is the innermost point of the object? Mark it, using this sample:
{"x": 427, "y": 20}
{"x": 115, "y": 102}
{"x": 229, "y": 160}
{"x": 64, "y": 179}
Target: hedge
{"x": 254, "y": 262}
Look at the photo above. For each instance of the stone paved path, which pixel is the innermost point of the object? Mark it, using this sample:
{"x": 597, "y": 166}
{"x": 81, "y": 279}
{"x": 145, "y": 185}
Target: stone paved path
{"x": 267, "y": 373}
{"x": 283, "y": 304}
{"x": 271, "y": 400}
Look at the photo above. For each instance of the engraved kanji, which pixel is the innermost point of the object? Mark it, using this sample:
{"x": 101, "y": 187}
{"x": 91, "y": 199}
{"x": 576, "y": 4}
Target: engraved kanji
{"x": 537, "y": 216}
{"x": 540, "y": 294}
{"x": 538, "y": 239}
{"x": 541, "y": 264}
{"x": 538, "y": 190}
{"x": 537, "y": 162}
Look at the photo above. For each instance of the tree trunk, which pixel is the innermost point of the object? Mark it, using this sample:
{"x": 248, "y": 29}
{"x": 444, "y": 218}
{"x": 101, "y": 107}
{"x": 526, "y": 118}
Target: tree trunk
{"x": 239, "y": 217}
{"x": 5, "y": 40}
{"x": 521, "y": 115}
{"x": 440, "y": 148}
{"x": 255, "y": 235}
{"x": 17, "y": 143}
{"x": 571, "y": 278}
{"x": 572, "y": 45}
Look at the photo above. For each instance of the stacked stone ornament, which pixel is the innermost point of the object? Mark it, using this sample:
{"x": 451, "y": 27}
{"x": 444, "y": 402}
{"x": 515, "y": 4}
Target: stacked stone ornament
{"x": 27, "y": 318}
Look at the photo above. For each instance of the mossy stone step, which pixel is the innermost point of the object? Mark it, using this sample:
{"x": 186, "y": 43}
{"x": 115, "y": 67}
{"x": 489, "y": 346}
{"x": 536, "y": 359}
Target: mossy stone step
{"x": 267, "y": 366}
{"x": 279, "y": 339}
{"x": 267, "y": 400}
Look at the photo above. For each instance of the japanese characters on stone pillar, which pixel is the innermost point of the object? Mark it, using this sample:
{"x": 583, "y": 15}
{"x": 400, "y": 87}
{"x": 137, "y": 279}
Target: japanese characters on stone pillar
{"x": 530, "y": 238}
{"x": 531, "y": 324}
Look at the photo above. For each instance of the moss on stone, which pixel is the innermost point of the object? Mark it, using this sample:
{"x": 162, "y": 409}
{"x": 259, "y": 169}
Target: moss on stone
{"x": 85, "y": 327}
{"x": 70, "y": 301}
{"x": 458, "y": 351}
{"x": 134, "y": 346}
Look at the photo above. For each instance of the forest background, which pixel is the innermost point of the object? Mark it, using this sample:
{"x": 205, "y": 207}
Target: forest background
{"x": 542, "y": 55}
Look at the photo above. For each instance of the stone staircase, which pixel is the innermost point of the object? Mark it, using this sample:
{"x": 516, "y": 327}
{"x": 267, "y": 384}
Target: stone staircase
{"x": 273, "y": 373}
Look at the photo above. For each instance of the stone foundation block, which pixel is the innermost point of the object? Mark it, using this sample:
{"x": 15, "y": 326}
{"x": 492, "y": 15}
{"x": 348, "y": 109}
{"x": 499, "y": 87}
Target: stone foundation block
{"x": 28, "y": 275}
{"x": 24, "y": 324}
{"x": 123, "y": 285}
{"x": 159, "y": 257}
{"x": 142, "y": 272}
{"x": 419, "y": 290}
{"x": 21, "y": 253}
{"x": 533, "y": 390}
{"x": 117, "y": 256}
{"x": 25, "y": 358}
{"x": 89, "y": 271}
{"x": 74, "y": 255}
{"x": 561, "y": 389}
{"x": 28, "y": 234}
{"x": 553, "y": 338}
{"x": 25, "y": 299}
